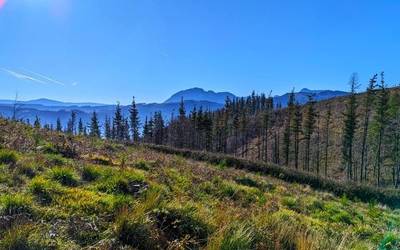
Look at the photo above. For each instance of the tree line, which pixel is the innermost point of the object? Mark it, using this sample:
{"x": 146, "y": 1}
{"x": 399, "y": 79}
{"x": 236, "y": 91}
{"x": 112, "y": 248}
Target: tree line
{"x": 359, "y": 140}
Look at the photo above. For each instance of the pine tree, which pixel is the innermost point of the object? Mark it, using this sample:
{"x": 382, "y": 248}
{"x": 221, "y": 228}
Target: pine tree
{"x": 350, "y": 125}
{"x": 134, "y": 121}
{"x": 288, "y": 127}
{"x": 107, "y": 129}
{"x": 118, "y": 124}
{"x": 309, "y": 126}
{"x": 80, "y": 127}
{"x": 368, "y": 100}
{"x": 71, "y": 123}
{"x": 394, "y": 131}
{"x": 158, "y": 130}
{"x": 37, "y": 124}
{"x": 94, "y": 126}
{"x": 58, "y": 126}
{"x": 381, "y": 121}
{"x": 296, "y": 127}
{"x": 328, "y": 117}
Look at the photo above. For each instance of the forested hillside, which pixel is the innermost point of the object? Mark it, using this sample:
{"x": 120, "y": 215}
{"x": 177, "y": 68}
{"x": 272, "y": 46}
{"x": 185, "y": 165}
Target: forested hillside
{"x": 350, "y": 138}
{"x": 60, "y": 191}
{"x": 354, "y": 138}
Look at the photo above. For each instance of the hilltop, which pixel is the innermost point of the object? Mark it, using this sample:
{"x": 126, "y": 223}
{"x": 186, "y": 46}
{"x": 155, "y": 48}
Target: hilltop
{"x": 71, "y": 192}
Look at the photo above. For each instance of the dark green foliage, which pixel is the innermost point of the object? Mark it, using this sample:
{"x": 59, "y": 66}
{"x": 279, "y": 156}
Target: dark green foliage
{"x": 135, "y": 233}
{"x": 8, "y": 157}
{"x": 391, "y": 241}
{"x": 134, "y": 121}
{"x": 90, "y": 173}
{"x": 180, "y": 223}
{"x": 350, "y": 125}
{"x": 94, "y": 126}
{"x": 142, "y": 165}
{"x": 65, "y": 176}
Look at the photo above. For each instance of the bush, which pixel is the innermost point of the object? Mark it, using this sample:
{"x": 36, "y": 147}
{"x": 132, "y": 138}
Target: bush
{"x": 55, "y": 160}
{"x": 91, "y": 173}
{"x": 390, "y": 241}
{"x": 176, "y": 224}
{"x": 134, "y": 233}
{"x": 42, "y": 189}
{"x": 27, "y": 169}
{"x": 141, "y": 164}
{"x": 15, "y": 204}
{"x": 65, "y": 176}
{"x": 8, "y": 157}
{"x": 101, "y": 160}
{"x": 127, "y": 182}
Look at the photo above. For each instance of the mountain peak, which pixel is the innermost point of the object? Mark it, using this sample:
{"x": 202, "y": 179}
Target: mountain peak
{"x": 199, "y": 94}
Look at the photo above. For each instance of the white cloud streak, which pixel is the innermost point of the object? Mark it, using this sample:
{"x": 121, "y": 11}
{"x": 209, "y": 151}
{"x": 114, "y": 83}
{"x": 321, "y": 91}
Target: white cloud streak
{"x": 23, "y": 76}
{"x": 34, "y": 77}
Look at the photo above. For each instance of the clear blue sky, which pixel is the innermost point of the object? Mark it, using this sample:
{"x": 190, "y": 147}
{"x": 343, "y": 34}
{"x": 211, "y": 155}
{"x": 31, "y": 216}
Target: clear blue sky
{"x": 104, "y": 51}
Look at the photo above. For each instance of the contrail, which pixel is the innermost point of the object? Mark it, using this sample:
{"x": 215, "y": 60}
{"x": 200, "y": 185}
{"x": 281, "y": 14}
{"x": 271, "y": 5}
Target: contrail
{"x": 23, "y": 76}
{"x": 33, "y": 76}
{"x": 46, "y": 78}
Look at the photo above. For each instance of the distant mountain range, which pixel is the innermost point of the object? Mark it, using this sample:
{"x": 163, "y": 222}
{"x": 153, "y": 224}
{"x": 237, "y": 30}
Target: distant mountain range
{"x": 50, "y": 110}
{"x": 199, "y": 94}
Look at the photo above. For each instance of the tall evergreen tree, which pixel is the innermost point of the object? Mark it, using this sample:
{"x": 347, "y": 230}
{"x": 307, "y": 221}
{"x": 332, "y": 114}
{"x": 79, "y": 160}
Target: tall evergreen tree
{"x": 107, "y": 129}
{"x": 296, "y": 127}
{"x": 58, "y": 125}
{"x": 367, "y": 103}
{"x": 381, "y": 121}
{"x": 394, "y": 131}
{"x": 37, "y": 124}
{"x": 80, "y": 127}
{"x": 134, "y": 121}
{"x": 71, "y": 123}
{"x": 118, "y": 124}
{"x": 309, "y": 126}
{"x": 328, "y": 118}
{"x": 350, "y": 125}
{"x": 288, "y": 127}
{"x": 94, "y": 126}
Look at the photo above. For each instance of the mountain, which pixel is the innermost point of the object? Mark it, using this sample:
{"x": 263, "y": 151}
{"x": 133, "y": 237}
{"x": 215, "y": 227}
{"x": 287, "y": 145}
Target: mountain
{"x": 199, "y": 94}
{"x": 49, "y": 110}
{"x": 50, "y": 103}
{"x": 303, "y": 96}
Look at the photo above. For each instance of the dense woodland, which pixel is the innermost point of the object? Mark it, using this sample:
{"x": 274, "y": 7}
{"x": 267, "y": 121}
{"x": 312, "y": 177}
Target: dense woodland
{"x": 355, "y": 138}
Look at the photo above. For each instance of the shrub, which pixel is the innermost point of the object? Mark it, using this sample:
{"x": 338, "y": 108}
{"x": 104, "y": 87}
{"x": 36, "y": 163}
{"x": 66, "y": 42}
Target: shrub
{"x": 91, "y": 173}
{"x": 64, "y": 176}
{"x": 7, "y": 157}
{"x": 390, "y": 241}
{"x": 15, "y": 204}
{"x": 55, "y": 160}
{"x": 42, "y": 189}
{"x": 177, "y": 224}
{"x": 239, "y": 236}
{"x": 141, "y": 164}
{"x": 101, "y": 160}
{"x": 127, "y": 182}
{"x": 290, "y": 202}
{"x": 27, "y": 169}
{"x": 135, "y": 233}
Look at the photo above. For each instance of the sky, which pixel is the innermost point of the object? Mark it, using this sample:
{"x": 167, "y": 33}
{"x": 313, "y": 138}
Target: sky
{"x": 108, "y": 51}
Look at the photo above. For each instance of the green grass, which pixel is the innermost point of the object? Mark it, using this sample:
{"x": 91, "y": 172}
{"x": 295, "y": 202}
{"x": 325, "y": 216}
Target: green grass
{"x": 8, "y": 157}
{"x": 64, "y": 176}
{"x": 56, "y": 197}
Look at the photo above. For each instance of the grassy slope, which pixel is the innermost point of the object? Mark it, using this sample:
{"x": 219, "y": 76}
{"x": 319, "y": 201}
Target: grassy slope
{"x": 107, "y": 196}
